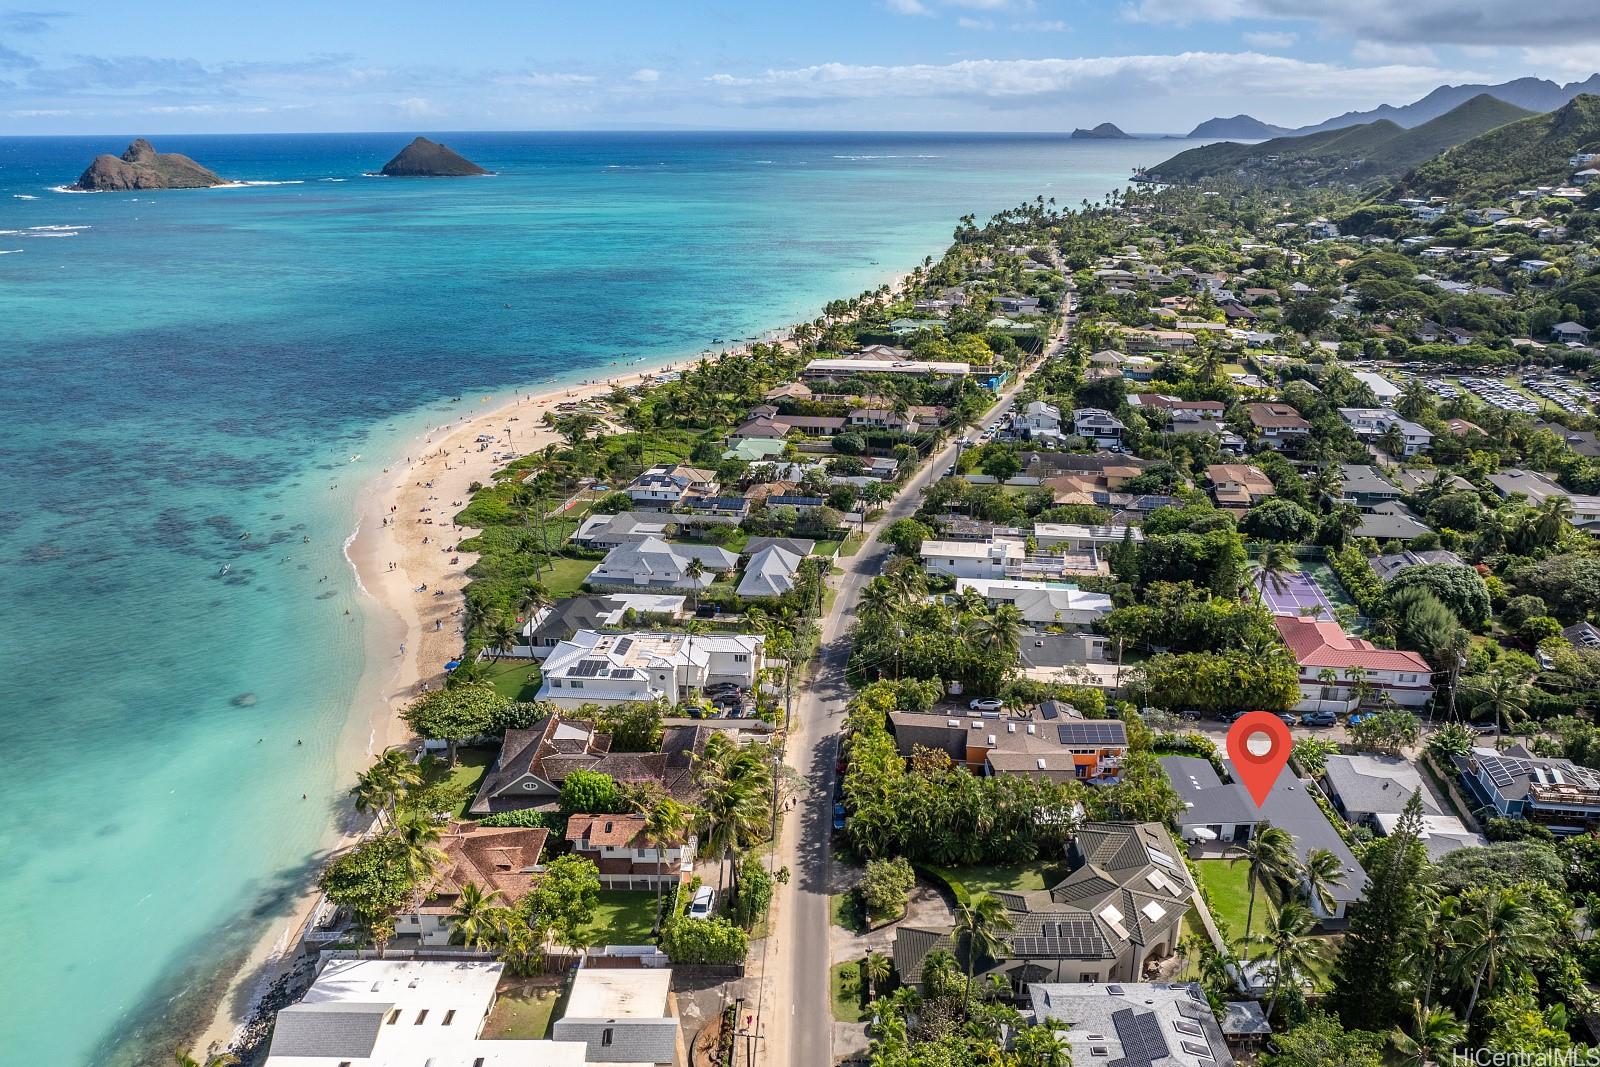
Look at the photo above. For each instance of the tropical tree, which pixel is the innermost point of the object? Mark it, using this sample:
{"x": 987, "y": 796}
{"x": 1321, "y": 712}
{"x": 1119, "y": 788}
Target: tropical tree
{"x": 1496, "y": 924}
{"x": 694, "y": 571}
{"x": 734, "y": 793}
{"x": 221, "y": 1059}
{"x": 1289, "y": 942}
{"x": 1272, "y": 566}
{"x": 1502, "y": 694}
{"x": 875, "y": 969}
{"x": 502, "y": 636}
{"x": 666, "y": 822}
{"x": 473, "y": 920}
{"x": 380, "y": 787}
{"x": 1270, "y": 857}
{"x": 1434, "y": 1031}
{"x": 980, "y": 926}
{"x": 1321, "y": 872}
{"x": 418, "y": 835}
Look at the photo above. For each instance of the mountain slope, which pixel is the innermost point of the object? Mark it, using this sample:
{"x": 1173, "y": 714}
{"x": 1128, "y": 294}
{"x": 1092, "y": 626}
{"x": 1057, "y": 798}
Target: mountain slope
{"x": 1531, "y": 94}
{"x": 1238, "y": 128}
{"x": 1533, "y": 151}
{"x": 1351, "y": 155}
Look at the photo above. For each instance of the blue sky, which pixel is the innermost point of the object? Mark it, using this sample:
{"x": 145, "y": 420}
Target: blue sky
{"x": 162, "y": 66}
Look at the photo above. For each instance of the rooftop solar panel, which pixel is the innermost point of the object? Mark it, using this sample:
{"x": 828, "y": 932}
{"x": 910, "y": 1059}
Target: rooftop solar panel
{"x": 1103, "y": 732}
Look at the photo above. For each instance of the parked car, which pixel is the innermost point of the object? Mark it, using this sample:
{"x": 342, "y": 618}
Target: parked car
{"x": 704, "y": 902}
{"x": 987, "y": 705}
{"x": 1484, "y": 728}
{"x": 1289, "y": 720}
{"x": 1360, "y": 717}
{"x": 1319, "y": 718}
{"x": 1190, "y": 714}
{"x": 838, "y": 815}
{"x": 1231, "y": 716}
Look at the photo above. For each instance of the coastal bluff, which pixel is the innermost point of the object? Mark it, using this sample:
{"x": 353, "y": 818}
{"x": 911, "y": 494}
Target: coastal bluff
{"x": 142, "y": 167}
{"x": 423, "y": 158}
{"x": 1104, "y": 132}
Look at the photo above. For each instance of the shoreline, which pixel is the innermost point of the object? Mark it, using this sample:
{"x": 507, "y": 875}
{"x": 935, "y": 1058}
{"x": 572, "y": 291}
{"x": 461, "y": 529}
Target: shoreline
{"x": 397, "y": 616}
{"x": 399, "y": 635}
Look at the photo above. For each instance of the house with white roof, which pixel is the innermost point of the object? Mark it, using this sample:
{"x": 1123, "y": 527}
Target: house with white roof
{"x": 1041, "y": 603}
{"x": 668, "y": 485}
{"x": 1077, "y": 537}
{"x": 1132, "y": 1024}
{"x": 972, "y": 559}
{"x": 1372, "y": 423}
{"x": 612, "y": 668}
{"x": 405, "y": 1013}
{"x": 1381, "y": 387}
{"x": 656, "y": 564}
{"x": 621, "y": 1015}
{"x": 772, "y": 567}
{"x": 1037, "y": 419}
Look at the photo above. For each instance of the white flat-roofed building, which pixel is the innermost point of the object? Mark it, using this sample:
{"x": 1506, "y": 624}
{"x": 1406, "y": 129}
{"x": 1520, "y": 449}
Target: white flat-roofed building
{"x": 405, "y": 1013}
{"x": 1041, "y": 603}
{"x": 620, "y": 1015}
{"x": 1048, "y": 535}
{"x": 972, "y": 559}
{"x": 1381, "y": 387}
{"x": 610, "y": 668}
{"x": 839, "y": 367}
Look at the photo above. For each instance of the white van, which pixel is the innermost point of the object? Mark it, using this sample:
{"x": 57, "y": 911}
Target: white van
{"x": 705, "y": 899}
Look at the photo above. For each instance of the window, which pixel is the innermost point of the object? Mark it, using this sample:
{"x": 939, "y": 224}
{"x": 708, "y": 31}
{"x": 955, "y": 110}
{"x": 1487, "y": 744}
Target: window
{"x": 422, "y": 1016}
{"x": 555, "y": 683}
{"x": 394, "y": 1016}
{"x": 605, "y": 1037}
{"x": 740, "y": 657}
{"x": 449, "y": 1017}
{"x": 576, "y": 684}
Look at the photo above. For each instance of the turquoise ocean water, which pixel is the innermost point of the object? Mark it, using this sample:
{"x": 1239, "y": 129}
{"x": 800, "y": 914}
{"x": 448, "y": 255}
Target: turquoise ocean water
{"x": 189, "y": 367}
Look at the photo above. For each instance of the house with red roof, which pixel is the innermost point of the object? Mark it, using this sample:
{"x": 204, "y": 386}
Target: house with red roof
{"x": 1341, "y": 673}
{"x": 622, "y": 850}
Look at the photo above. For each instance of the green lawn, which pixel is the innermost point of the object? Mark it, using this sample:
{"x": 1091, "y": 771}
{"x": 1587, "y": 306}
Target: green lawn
{"x": 851, "y": 545}
{"x": 970, "y": 881}
{"x": 471, "y": 765}
{"x": 849, "y": 992}
{"x": 625, "y": 918}
{"x": 564, "y": 577}
{"x": 515, "y": 679}
{"x": 845, "y": 908}
{"x": 1229, "y": 895}
{"x": 522, "y": 1012}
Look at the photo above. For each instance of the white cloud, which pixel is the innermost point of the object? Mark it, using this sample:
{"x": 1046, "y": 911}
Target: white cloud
{"x": 1572, "y": 60}
{"x": 545, "y": 79}
{"x": 1271, "y": 39}
{"x": 417, "y": 107}
{"x": 967, "y": 23}
{"x": 1378, "y": 52}
{"x": 1002, "y": 81}
{"x": 1431, "y": 22}
{"x": 645, "y": 74}
{"x": 907, "y": 7}
{"x": 1041, "y": 26}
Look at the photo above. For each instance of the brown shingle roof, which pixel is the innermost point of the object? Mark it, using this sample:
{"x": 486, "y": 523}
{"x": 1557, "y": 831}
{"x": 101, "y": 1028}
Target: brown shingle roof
{"x": 493, "y": 858}
{"x": 596, "y": 831}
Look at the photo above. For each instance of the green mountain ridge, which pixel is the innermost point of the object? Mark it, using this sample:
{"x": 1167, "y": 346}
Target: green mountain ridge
{"x": 1351, "y": 155}
{"x": 1530, "y": 152}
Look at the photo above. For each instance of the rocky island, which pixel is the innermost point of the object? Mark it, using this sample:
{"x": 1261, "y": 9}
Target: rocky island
{"x": 1104, "y": 132}
{"x": 142, "y": 167}
{"x": 423, "y": 158}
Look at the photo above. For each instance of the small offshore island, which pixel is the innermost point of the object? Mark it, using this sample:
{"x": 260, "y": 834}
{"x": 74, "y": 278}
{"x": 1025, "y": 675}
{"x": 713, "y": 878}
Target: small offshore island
{"x": 1106, "y": 131}
{"x": 423, "y": 158}
{"x": 142, "y": 167}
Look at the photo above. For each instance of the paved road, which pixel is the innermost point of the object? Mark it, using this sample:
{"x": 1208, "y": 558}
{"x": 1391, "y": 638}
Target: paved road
{"x": 798, "y": 1018}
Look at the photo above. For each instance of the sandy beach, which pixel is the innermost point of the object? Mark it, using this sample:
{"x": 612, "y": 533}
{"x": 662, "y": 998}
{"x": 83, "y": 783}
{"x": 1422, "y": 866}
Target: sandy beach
{"x": 410, "y": 580}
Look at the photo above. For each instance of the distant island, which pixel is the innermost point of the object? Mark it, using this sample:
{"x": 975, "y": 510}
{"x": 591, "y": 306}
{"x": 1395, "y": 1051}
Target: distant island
{"x": 1103, "y": 132}
{"x": 142, "y": 167}
{"x": 1239, "y": 127}
{"x": 423, "y": 158}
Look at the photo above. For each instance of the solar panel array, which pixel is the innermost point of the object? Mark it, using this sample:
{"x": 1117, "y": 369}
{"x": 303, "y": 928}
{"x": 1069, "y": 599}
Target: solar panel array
{"x": 1505, "y": 770}
{"x": 1060, "y": 938}
{"x": 623, "y": 645}
{"x": 589, "y": 668}
{"x": 1143, "y": 1043}
{"x": 1092, "y": 732}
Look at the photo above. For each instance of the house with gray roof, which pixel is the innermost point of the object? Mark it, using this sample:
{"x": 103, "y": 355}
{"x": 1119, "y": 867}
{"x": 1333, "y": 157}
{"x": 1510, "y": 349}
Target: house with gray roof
{"x": 625, "y": 527}
{"x": 558, "y": 622}
{"x": 770, "y": 572}
{"x": 1391, "y": 522}
{"x": 1132, "y": 1024}
{"x": 1217, "y": 811}
{"x": 1120, "y": 908}
{"x": 1413, "y": 480}
{"x": 656, "y": 564}
{"x": 1363, "y": 785}
{"x": 621, "y": 1015}
{"x": 1557, "y": 793}
{"x": 1388, "y": 564}
{"x": 1365, "y": 487}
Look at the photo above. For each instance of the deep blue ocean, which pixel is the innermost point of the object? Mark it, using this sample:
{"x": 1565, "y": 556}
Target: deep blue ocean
{"x": 178, "y": 369}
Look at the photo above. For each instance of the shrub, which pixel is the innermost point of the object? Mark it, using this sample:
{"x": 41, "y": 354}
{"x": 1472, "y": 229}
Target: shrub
{"x": 704, "y": 941}
{"x": 886, "y": 885}
{"x": 523, "y": 817}
{"x": 755, "y": 893}
{"x": 591, "y": 793}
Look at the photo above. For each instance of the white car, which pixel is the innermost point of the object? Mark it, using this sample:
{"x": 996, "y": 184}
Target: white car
{"x": 987, "y": 705}
{"x": 705, "y": 899}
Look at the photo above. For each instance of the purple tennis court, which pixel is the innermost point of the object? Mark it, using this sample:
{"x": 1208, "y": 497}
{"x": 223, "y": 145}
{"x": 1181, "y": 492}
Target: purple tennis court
{"x": 1293, "y": 594}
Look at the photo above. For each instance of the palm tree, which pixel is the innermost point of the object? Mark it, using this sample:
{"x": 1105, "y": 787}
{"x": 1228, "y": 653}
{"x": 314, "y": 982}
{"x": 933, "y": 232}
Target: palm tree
{"x": 1360, "y": 688}
{"x": 1294, "y": 951}
{"x": 420, "y": 835}
{"x": 1503, "y": 693}
{"x": 875, "y": 969}
{"x": 380, "y": 787}
{"x": 665, "y": 823}
{"x": 1551, "y": 518}
{"x": 734, "y": 788}
{"x": 1321, "y": 872}
{"x": 981, "y": 924}
{"x": 1272, "y": 566}
{"x": 1433, "y": 1031}
{"x": 998, "y": 637}
{"x": 1497, "y": 923}
{"x": 693, "y": 572}
{"x": 502, "y": 636}
{"x": 1270, "y": 856}
{"x": 472, "y": 922}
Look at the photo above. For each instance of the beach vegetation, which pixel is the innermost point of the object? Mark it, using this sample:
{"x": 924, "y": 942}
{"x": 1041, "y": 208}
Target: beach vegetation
{"x": 586, "y": 792}
{"x": 455, "y": 713}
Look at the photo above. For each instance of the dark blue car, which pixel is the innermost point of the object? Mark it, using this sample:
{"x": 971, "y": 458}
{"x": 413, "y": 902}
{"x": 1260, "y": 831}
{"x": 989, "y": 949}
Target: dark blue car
{"x": 838, "y": 815}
